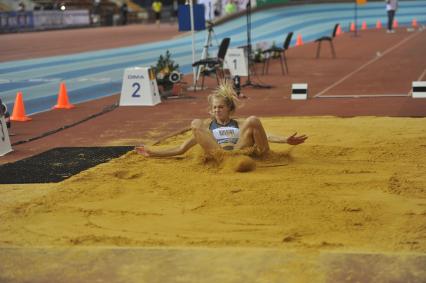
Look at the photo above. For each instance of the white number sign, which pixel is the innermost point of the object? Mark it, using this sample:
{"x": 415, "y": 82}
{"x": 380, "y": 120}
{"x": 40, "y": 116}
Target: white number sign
{"x": 5, "y": 146}
{"x": 139, "y": 87}
{"x": 236, "y": 62}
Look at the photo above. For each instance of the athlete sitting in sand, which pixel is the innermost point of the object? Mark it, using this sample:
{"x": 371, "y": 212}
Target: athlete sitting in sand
{"x": 221, "y": 132}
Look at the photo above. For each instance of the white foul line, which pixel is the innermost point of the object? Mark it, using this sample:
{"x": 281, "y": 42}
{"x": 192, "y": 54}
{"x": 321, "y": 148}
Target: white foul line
{"x": 363, "y": 95}
{"x": 365, "y": 65}
{"x": 410, "y": 93}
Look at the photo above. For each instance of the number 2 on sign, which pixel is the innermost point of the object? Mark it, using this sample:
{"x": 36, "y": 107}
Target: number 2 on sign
{"x": 137, "y": 87}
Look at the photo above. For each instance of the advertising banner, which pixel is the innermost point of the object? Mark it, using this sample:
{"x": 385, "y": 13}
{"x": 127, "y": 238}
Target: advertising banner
{"x": 15, "y": 21}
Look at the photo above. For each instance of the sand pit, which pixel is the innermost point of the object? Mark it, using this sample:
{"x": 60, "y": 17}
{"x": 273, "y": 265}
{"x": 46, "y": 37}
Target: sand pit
{"x": 357, "y": 184}
{"x": 351, "y": 201}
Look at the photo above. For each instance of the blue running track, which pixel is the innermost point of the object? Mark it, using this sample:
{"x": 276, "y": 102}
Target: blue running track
{"x": 92, "y": 75}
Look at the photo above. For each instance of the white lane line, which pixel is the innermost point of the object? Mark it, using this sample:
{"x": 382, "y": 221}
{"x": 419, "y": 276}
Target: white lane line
{"x": 422, "y": 75}
{"x": 363, "y": 95}
{"x": 366, "y": 64}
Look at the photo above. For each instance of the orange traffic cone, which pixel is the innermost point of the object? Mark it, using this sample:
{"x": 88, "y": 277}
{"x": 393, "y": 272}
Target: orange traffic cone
{"x": 299, "y": 40}
{"x": 414, "y": 23}
{"x": 395, "y": 23}
{"x": 352, "y": 27}
{"x": 63, "y": 102}
{"x": 339, "y": 30}
{"x": 18, "y": 113}
{"x": 378, "y": 24}
{"x": 364, "y": 25}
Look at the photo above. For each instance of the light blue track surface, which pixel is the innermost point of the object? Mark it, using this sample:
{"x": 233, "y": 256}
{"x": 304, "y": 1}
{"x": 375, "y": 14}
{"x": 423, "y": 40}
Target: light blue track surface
{"x": 92, "y": 75}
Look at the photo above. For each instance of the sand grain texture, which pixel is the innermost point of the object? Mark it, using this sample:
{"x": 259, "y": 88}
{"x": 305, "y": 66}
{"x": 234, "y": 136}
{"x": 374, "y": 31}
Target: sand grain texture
{"x": 357, "y": 184}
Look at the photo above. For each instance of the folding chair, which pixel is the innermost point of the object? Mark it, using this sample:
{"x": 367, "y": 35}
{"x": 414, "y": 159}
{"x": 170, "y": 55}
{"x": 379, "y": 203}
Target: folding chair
{"x": 212, "y": 64}
{"x": 329, "y": 39}
{"x": 269, "y": 52}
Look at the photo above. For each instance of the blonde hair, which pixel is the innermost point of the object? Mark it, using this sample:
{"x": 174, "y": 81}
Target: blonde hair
{"x": 226, "y": 92}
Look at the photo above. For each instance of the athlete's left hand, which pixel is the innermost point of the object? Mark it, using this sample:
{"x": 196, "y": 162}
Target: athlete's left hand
{"x": 295, "y": 140}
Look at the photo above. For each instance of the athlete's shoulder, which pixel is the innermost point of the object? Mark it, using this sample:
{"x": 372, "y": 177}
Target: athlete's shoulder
{"x": 236, "y": 122}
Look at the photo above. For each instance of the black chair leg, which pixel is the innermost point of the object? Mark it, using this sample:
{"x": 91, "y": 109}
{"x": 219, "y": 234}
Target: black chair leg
{"x": 281, "y": 63}
{"x": 222, "y": 76}
{"x": 318, "y": 48}
{"x": 285, "y": 62}
{"x": 332, "y": 49}
{"x": 217, "y": 76}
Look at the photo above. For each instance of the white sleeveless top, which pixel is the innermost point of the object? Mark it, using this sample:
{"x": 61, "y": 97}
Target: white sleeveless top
{"x": 223, "y": 134}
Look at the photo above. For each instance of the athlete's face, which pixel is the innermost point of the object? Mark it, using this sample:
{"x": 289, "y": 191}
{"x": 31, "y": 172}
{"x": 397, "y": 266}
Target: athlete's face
{"x": 220, "y": 110}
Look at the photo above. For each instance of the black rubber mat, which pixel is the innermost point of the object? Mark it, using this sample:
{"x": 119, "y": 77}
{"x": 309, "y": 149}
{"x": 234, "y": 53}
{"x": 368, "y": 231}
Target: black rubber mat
{"x": 57, "y": 164}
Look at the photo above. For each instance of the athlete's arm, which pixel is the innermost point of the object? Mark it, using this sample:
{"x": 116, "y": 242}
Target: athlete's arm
{"x": 292, "y": 140}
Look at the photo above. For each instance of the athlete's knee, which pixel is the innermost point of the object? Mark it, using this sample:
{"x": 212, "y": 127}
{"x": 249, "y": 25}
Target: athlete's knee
{"x": 197, "y": 124}
{"x": 253, "y": 121}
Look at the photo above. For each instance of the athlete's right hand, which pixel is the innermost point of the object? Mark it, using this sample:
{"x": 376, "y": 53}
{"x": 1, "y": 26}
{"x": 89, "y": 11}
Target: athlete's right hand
{"x": 142, "y": 150}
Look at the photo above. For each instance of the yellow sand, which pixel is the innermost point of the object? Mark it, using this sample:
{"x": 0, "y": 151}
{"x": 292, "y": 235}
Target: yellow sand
{"x": 357, "y": 184}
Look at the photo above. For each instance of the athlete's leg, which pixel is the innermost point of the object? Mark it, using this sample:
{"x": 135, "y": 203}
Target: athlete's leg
{"x": 252, "y": 133}
{"x": 204, "y": 137}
